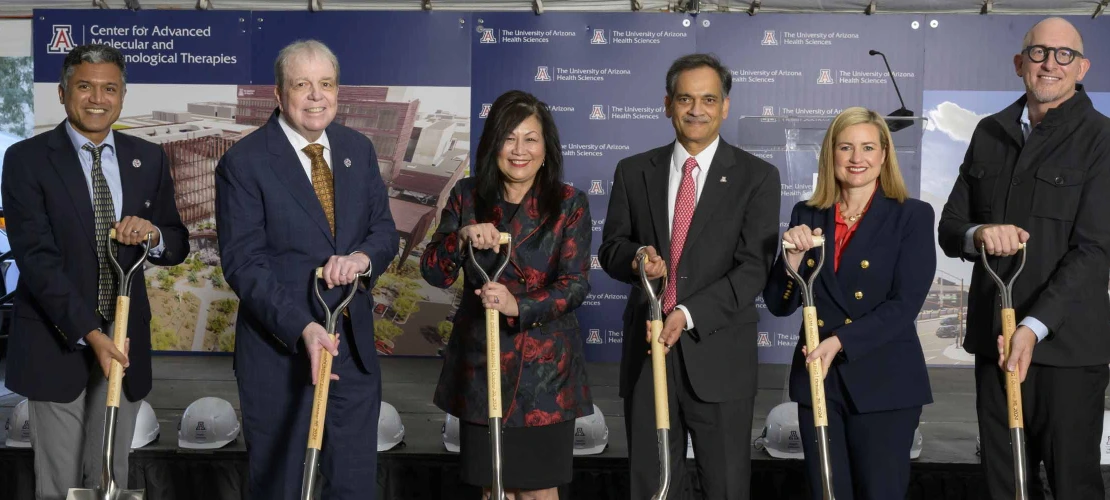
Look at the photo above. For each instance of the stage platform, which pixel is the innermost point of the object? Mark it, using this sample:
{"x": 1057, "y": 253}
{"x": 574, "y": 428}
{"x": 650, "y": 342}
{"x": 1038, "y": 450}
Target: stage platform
{"x": 422, "y": 468}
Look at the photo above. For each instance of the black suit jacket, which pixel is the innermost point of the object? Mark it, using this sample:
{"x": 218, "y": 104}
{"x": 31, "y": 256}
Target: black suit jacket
{"x": 273, "y": 234}
{"x": 1055, "y": 185}
{"x": 50, "y": 227}
{"x": 870, "y": 303}
{"x": 726, "y": 258}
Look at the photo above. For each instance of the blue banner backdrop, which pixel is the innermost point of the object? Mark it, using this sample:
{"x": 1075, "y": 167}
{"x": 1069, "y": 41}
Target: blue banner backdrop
{"x": 416, "y": 82}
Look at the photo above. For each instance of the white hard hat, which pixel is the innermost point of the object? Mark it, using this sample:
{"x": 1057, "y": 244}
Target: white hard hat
{"x": 208, "y": 423}
{"x": 451, "y": 433}
{"x": 591, "y": 435}
{"x": 146, "y": 427}
{"x": 390, "y": 429}
{"x": 915, "y": 448}
{"x": 781, "y": 436}
{"x": 1104, "y": 445}
{"x": 19, "y": 426}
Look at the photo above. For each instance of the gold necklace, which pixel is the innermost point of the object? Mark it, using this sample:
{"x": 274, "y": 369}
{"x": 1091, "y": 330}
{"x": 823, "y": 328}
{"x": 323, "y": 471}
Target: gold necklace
{"x": 852, "y": 218}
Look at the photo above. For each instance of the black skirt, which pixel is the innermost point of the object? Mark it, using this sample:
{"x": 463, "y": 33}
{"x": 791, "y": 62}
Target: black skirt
{"x": 532, "y": 458}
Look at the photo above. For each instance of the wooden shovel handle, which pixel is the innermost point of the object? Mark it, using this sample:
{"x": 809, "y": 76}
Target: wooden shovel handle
{"x": 1013, "y": 379}
{"x": 659, "y": 377}
{"x": 816, "y": 369}
{"x": 320, "y": 399}
{"x": 119, "y": 338}
{"x": 493, "y": 362}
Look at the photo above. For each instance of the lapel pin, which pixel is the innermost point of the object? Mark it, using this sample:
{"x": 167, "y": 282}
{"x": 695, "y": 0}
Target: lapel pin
{"x": 347, "y": 162}
{"x": 724, "y": 179}
{"x": 147, "y": 202}
{"x": 136, "y": 163}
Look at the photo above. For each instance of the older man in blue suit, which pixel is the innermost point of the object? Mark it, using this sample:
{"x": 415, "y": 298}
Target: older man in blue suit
{"x": 299, "y": 193}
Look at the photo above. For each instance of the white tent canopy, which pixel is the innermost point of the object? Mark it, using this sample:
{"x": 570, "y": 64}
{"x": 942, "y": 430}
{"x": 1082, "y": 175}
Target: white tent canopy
{"x": 1061, "y": 7}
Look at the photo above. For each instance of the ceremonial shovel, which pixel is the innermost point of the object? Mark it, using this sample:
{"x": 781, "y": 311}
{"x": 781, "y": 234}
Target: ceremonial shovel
{"x": 323, "y": 383}
{"x": 1013, "y": 379}
{"x": 493, "y": 366}
{"x": 108, "y": 489}
{"x": 659, "y": 381}
{"x": 816, "y": 371}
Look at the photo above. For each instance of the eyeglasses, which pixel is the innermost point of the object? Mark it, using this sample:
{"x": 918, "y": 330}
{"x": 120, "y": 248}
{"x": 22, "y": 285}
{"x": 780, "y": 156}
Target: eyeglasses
{"x": 1064, "y": 55}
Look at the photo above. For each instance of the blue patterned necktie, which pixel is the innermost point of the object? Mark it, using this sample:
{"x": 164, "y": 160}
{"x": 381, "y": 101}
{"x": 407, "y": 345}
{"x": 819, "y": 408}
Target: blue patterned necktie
{"x": 104, "y": 213}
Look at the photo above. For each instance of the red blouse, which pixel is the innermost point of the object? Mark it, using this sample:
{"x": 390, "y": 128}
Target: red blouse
{"x": 844, "y": 233}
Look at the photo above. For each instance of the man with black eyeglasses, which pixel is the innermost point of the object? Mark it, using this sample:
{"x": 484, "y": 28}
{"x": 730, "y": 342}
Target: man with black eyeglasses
{"x": 1038, "y": 173}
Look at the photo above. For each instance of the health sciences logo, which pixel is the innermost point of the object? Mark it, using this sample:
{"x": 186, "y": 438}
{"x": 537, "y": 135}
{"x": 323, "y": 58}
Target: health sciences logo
{"x": 594, "y": 337}
{"x": 825, "y": 78}
{"x": 488, "y": 36}
{"x": 769, "y": 38}
{"x": 62, "y": 41}
{"x": 599, "y": 37}
{"x": 485, "y": 109}
{"x": 542, "y": 75}
{"x": 764, "y": 340}
{"x": 596, "y": 187}
{"x": 598, "y": 112}
{"x": 594, "y": 263}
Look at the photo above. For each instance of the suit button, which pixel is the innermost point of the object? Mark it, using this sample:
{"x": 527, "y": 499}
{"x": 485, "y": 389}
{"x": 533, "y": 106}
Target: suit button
{"x": 820, "y": 322}
{"x": 1016, "y": 182}
{"x": 859, "y": 295}
{"x": 864, "y": 264}
{"x": 523, "y": 281}
{"x": 810, "y": 263}
{"x": 536, "y": 324}
{"x": 847, "y": 321}
{"x": 1059, "y": 180}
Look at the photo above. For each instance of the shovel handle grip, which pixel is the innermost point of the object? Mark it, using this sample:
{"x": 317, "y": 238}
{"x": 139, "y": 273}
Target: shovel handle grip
{"x": 816, "y": 369}
{"x": 817, "y": 241}
{"x": 503, "y": 239}
{"x": 493, "y": 361}
{"x": 119, "y": 338}
{"x": 320, "y": 399}
{"x": 1013, "y": 379}
{"x": 659, "y": 377}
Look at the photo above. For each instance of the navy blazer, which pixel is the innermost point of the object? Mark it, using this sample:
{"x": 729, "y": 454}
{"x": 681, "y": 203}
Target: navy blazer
{"x": 871, "y": 303}
{"x": 51, "y": 229}
{"x": 273, "y": 235}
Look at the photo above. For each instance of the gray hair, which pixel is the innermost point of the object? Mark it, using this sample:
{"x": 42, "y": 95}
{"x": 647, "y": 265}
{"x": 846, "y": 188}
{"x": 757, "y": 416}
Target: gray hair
{"x": 302, "y": 48}
{"x": 93, "y": 53}
{"x": 1028, "y": 39}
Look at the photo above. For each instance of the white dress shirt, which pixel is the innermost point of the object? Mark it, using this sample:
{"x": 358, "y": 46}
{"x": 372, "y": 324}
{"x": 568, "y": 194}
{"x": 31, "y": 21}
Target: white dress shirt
{"x": 674, "y": 180}
{"x": 299, "y": 142}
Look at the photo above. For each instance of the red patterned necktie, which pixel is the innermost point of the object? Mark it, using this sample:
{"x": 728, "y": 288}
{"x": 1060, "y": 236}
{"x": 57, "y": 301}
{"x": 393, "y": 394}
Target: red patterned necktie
{"x": 684, "y": 204}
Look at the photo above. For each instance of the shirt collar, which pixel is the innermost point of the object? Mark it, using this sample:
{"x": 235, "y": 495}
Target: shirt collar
{"x": 79, "y": 140}
{"x": 1026, "y": 124}
{"x": 704, "y": 158}
{"x": 297, "y": 140}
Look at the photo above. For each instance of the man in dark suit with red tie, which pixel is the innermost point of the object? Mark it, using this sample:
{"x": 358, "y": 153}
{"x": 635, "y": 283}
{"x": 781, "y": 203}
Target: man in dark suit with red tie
{"x": 706, "y": 213}
{"x": 63, "y": 190}
{"x": 299, "y": 193}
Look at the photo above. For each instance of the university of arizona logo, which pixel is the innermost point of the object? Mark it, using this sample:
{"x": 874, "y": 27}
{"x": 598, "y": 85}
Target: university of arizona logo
{"x": 599, "y": 37}
{"x": 488, "y": 36}
{"x": 594, "y": 263}
{"x": 825, "y": 78}
{"x": 769, "y": 38}
{"x": 598, "y": 112}
{"x": 768, "y": 111}
{"x": 200, "y": 426}
{"x": 485, "y": 110}
{"x": 62, "y": 41}
{"x": 764, "y": 340}
{"x": 542, "y": 75}
{"x": 596, "y": 187}
{"x": 594, "y": 337}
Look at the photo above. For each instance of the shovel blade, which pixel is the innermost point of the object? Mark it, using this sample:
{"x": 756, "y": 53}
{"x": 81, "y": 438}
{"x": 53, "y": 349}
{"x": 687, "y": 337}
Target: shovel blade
{"x": 93, "y": 494}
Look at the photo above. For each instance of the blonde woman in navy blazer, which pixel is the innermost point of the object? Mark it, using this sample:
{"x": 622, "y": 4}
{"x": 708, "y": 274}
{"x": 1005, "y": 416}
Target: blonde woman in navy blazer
{"x": 879, "y": 263}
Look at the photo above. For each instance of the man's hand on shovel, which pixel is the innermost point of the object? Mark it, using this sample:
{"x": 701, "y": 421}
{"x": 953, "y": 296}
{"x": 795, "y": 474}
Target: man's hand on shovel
{"x": 106, "y": 351}
{"x": 316, "y": 338}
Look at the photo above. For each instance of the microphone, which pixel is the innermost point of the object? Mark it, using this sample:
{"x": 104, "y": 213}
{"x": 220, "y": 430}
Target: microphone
{"x": 895, "y": 125}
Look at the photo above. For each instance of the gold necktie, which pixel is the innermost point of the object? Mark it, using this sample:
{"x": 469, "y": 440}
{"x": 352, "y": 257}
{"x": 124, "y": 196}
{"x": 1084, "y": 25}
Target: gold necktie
{"x": 322, "y": 182}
